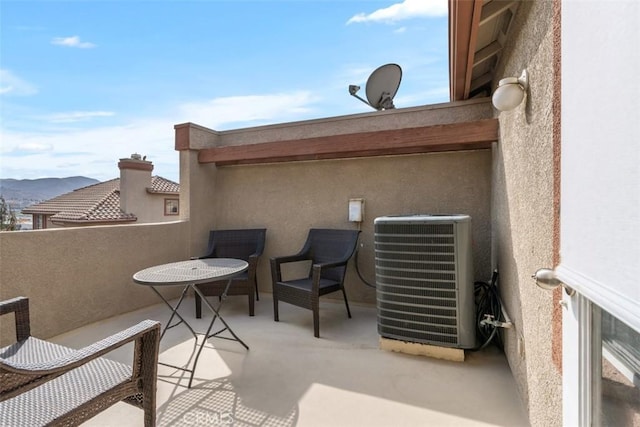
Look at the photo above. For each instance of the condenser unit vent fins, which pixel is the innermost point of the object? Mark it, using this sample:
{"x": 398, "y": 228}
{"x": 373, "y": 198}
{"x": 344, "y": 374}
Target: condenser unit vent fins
{"x": 424, "y": 279}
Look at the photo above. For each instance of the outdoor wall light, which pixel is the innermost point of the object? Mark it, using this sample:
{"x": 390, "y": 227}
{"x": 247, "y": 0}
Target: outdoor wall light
{"x": 510, "y": 92}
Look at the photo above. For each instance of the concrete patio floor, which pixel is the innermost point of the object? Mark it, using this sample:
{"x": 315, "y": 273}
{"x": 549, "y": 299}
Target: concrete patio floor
{"x": 290, "y": 378}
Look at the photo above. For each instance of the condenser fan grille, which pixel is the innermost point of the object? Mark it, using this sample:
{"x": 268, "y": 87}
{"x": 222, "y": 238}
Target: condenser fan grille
{"x": 424, "y": 291}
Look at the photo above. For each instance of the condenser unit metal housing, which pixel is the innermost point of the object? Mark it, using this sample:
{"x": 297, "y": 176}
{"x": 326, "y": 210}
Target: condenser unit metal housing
{"x": 424, "y": 279}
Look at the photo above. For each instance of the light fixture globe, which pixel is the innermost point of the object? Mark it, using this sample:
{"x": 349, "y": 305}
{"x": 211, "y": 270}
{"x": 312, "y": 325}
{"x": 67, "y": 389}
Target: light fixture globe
{"x": 510, "y": 92}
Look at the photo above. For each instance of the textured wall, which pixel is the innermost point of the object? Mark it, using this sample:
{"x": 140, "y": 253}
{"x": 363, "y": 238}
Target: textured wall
{"x": 77, "y": 276}
{"x": 523, "y": 212}
{"x": 290, "y": 198}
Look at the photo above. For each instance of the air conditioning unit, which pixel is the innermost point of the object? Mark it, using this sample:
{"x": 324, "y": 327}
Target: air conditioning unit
{"x": 424, "y": 279}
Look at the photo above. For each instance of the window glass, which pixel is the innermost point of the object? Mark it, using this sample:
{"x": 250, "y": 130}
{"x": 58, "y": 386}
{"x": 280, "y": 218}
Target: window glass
{"x": 619, "y": 390}
{"x": 171, "y": 206}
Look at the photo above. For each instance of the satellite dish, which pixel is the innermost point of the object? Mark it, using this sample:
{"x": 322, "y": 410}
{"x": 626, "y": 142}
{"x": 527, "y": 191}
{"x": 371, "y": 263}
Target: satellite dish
{"x": 382, "y": 86}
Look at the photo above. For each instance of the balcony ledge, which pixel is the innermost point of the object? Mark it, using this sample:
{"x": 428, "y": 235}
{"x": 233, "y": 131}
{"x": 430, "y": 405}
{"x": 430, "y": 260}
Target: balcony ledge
{"x": 472, "y": 135}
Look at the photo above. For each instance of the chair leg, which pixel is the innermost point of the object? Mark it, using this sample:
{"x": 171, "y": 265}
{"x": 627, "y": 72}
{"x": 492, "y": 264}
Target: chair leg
{"x": 275, "y": 308}
{"x": 198, "y": 307}
{"x": 251, "y": 298}
{"x": 316, "y": 322}
{"x": 346, "y": 303}
{"x": 149, "y": 408}
{"x": 149, "y": 346}
{"x": 257, "y": 293}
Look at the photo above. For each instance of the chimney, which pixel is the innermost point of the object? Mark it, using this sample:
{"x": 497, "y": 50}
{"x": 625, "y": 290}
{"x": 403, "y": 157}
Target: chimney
{"x": 135, "y": 178}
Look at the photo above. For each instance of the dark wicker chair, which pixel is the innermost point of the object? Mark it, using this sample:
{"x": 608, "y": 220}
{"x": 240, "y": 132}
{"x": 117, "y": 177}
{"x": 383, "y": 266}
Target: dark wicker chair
{"x": 329, "y": 252}
{"x": 246, "y": 244}
{"x": 42, "y": 383}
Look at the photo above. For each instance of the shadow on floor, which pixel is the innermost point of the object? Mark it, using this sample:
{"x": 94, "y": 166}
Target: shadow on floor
{"x": 288, "y": 377}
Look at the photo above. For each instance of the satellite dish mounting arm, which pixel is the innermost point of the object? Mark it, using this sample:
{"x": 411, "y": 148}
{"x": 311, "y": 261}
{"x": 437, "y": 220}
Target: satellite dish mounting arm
{"x": 353, "y": 89}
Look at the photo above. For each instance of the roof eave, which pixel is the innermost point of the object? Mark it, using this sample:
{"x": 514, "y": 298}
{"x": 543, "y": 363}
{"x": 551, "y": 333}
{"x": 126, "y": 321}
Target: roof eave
{"x": 464, "y": 18}
{"x": 92, "y": 222}
{"x": 168, "y": 193}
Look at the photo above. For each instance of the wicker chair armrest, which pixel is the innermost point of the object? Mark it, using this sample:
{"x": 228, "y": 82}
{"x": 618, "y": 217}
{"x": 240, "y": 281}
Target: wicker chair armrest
{"x": 276, "y": 262}
{"x": 253, "y": 266}
{"x": 316, "y": 272}
{"x": 256, "y": 255}
{"x": 148, "y": 329}
{"x": 325, "y": 265}
{"x": 20, "y": 307}
{"x": 12, "y": 305}
{"x": 289, "y": 258}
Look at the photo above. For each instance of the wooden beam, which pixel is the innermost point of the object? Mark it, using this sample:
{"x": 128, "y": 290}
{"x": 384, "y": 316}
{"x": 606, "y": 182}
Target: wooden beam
{"x": 487, "y": 52}
{"x": 493, "y": 9}
{"x": 484, "y": 79}
{"x": 449, "y": 137}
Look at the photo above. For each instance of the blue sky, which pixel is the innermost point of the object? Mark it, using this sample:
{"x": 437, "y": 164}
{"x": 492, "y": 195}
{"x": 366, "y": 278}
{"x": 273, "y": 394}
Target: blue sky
{"x": 85, "y": 83}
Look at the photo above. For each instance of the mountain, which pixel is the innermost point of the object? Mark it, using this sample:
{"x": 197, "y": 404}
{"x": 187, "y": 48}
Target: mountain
{"x": 20, "y": 193}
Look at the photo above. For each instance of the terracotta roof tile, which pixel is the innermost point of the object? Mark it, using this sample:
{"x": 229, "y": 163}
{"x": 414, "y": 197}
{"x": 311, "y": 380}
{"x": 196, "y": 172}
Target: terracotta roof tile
{"x": 95, "y": 203}
{"x": 162, "y": 185}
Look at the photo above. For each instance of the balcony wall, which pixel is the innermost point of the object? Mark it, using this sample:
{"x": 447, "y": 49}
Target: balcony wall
{"x": 525, "y": 182}
{"x": 77, "y": 276}
{"x": 289, "y": 197}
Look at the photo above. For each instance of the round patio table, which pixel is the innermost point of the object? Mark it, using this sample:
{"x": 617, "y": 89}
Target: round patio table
{"x": 188, "y": 274}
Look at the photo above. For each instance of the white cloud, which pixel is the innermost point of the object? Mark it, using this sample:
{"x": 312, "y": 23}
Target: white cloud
{"x": 11, "y": 84}
{"x": 405, "y": 10}
{"x": 219, "y": 112}
{"x": 73, "y": 41}
{"x": 88, "y": 152}
{"x": 94, "y": 152}
{"x": 77, "y": 116}
{"x": 34, "y": 147}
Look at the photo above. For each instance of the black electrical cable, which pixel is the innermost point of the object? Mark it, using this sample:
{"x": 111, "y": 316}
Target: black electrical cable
{"x": 358, "y": 270}
{"x": 488, "y": 303}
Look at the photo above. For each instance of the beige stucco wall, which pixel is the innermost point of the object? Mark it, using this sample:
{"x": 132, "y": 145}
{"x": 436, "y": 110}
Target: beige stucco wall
{"x": 152, "y": 209}
{"x": 76, "y": 276}
{"x": 289, "y": 198}
{"x": 523, "y": 213}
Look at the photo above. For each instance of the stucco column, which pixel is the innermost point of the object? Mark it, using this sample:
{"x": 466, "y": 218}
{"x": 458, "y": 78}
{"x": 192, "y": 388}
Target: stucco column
{"x": 197, "y": 183}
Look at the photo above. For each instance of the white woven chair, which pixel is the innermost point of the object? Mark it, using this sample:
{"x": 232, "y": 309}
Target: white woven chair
{"x": 42, "y": 383}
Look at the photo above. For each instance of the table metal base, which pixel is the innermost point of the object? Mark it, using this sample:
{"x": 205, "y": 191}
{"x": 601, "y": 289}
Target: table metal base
{"x": 206, "y": 335}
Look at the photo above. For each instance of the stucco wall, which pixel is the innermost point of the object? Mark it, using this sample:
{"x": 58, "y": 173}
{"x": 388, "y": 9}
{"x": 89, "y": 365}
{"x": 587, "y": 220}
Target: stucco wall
{"x": 254, "y": 195}
{"x": 76, "y": 276}
{"x": 290, "y": 198}
{"x": 523, "y": 213}
{"x": 152, "y": 208}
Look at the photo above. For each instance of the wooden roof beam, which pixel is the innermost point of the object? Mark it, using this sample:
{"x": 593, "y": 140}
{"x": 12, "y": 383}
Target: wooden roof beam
{"x": 448, "y": 137}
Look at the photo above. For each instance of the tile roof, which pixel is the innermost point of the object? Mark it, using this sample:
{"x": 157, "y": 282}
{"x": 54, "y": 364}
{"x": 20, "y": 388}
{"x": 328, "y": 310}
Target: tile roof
{"x": 96, "y": 203}
{"x": 162, "y": 185}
